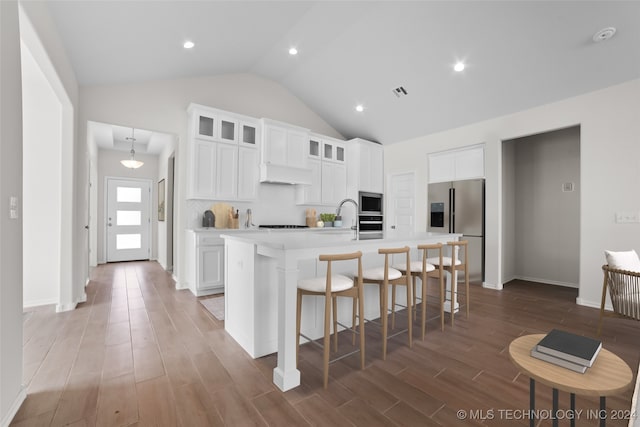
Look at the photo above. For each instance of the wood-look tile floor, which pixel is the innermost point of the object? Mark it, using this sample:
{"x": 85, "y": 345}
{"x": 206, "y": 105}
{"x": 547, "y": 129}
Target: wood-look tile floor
{"x": 138, "y": 352}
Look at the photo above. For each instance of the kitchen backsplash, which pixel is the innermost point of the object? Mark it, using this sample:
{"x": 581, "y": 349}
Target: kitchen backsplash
{"x": 275, "y": 205}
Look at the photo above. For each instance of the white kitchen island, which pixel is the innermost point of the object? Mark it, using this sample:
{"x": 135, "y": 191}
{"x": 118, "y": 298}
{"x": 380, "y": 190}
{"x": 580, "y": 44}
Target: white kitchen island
{"x": 261, "y": 275}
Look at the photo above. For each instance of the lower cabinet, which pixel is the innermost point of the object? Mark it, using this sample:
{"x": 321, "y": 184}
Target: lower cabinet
{"x": 204, "y": 262}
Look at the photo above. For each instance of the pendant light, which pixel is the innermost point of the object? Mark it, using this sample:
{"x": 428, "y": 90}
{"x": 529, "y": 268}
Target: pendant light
{"x": 131, "y": 163}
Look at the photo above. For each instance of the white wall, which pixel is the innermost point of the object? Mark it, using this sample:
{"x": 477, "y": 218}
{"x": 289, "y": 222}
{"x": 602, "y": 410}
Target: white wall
{"x": 38, "y": 32}
{"x": 609, "y": 120}
{"x": 546, "y": 219}
{"x": 11, "y": 391}
{"x": 161, "y": 106}
{"x": 42, "y": 115}
{"x": 109, "y": 165}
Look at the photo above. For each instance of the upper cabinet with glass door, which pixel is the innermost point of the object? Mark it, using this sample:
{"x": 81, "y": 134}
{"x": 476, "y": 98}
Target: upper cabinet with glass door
{"x": 223, "y": 126}
{"x": 333, "y": 150}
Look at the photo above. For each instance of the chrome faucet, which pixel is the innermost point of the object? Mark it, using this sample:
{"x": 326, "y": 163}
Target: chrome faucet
{"x": 339, "y": 209}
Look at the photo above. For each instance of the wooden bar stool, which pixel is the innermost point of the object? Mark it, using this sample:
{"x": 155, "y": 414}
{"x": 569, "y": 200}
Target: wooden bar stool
{"x": 453, "y": 263}
{"x": 332, "y": 286}
{"x": 423, "y": 269}
{"x": 383, "y": 277}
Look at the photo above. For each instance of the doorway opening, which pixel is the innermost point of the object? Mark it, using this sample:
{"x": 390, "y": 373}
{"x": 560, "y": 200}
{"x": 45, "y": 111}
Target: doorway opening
{"x": 541, "y": 208}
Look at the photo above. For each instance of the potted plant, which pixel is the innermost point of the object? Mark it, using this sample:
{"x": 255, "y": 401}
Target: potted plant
{"x": 327, "y": 218}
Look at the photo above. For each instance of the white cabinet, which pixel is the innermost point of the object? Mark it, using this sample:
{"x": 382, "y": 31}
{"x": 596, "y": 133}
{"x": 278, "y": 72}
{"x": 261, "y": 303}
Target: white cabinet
{"x": 227, "y": 129}
{"x": 205, "y": 262}
{"x": 327, "y": 158}
{"x": 365, "y": 167}
{"x": 248, "y": 173}
{"x": 205, "y": 125}
{"x": 223, "y": 155}
{"x": 333, "y": 151}
{"x": 226, "y": 171}
{"x": 456, "y": 165}
{"x": 249, "y": 134}
{"x": 202, "y": 178}
{"x": 334, "y": 183}
{"x": 311, "y": 194}
{"x": 284, "y": 144}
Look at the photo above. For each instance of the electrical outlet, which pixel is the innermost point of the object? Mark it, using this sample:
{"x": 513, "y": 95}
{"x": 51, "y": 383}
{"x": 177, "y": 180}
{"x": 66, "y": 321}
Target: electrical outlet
{"x": 627, "y": 217}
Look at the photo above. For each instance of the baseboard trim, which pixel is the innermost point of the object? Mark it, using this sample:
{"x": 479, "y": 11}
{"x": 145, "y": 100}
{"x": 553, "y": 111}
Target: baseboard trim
{"x": 497, "y": 287}
{"x": 548, "y": 282}
{"x": 39, "y": 303}
{"x": 593, "y": 304}
{"x": 60, "y": 308}
{"x": 15, "y": 406}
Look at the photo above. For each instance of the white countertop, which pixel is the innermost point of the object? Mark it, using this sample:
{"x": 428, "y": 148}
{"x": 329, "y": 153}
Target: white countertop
{"x": 271, "y": 230}
{"x": 287, "y": 239}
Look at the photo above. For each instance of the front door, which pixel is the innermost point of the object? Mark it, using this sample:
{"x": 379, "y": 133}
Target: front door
{"x": 128, "y": 219}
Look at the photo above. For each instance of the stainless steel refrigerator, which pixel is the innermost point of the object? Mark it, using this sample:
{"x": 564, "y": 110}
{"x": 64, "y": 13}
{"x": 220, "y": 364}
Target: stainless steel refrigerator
{"x": 458, "y": 207}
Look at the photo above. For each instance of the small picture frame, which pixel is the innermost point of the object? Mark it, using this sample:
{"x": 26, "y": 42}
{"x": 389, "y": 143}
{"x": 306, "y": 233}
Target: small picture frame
{"x": 161, "y": 200}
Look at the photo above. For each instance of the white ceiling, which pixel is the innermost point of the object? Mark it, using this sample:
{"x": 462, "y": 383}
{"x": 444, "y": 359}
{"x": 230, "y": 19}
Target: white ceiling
{"x": 114, "y": 137}
{"x": 519, "y": 54}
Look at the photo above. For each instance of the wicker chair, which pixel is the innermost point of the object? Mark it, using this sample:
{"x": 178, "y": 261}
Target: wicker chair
{"x": 624, "y": 291}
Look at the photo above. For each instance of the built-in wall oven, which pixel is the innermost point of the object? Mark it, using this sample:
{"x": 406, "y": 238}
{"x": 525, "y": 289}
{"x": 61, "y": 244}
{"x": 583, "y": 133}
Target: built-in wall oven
{"x": 370, "y": 218}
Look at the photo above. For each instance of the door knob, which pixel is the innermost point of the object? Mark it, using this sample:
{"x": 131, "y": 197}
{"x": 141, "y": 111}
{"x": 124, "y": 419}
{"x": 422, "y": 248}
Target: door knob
{"x": 393, "y": 227}
{"x": 86, "y": 227}
{"x": 109, "y": 224}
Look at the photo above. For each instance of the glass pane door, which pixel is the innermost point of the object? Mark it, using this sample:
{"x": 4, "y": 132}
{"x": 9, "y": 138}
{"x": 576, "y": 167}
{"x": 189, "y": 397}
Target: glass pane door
{"x": 128, "y": 219}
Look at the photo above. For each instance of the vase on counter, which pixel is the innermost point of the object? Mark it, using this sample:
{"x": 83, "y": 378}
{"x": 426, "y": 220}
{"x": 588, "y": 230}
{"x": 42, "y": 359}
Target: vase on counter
{"x": 328, "y": 224}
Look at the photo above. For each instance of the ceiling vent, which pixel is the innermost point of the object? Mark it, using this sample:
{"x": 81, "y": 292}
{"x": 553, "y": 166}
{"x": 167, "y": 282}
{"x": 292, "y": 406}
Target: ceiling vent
{"x": 399, "y": 92}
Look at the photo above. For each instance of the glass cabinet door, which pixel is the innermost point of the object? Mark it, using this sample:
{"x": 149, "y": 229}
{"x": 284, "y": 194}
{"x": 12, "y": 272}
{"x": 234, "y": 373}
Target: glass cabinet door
{"x": 206, "y": 126}
{"x": 314, "y": 148}
{"x": 228, "y": 130}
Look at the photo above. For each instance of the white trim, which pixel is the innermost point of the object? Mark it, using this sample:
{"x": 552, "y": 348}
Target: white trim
{"x": 60, "y": 308}
{"x": 548, "y": 282}
{"x": 39, "y": 302}
{"x": 587, "y": 303}
{"x": 497, "y": 287}
{"x": 13, "y": 410}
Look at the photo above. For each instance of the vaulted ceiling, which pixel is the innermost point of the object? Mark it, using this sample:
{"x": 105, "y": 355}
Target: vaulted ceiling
{"x": 518, "y": 54}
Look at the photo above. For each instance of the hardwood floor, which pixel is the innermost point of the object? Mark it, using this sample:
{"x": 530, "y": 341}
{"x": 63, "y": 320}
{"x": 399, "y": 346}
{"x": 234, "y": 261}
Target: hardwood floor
{"x": 138, "y": 352}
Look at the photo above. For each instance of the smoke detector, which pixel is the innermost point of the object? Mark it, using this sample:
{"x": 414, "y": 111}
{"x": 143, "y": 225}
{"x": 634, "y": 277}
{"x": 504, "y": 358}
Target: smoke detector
{"x": 604, "y": 34}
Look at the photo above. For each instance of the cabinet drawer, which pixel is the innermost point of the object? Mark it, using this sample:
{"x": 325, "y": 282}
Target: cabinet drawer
{"x": 210, "y": 241}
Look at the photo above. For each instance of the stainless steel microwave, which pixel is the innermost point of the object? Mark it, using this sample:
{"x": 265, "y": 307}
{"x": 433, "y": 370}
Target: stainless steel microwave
{"x": 370, "y": 203}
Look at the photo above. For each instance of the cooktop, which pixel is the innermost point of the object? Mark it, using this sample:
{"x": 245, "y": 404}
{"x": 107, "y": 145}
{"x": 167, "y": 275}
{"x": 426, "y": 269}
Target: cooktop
{"x": 283, "y": 226}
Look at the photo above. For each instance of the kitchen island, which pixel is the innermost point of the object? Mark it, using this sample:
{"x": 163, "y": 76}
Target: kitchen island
{"x": 261, "y": 275}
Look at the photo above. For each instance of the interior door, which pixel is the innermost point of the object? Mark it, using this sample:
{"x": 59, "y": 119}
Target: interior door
{"x": 128, "y": 225}
{"x": 401, "y": 204}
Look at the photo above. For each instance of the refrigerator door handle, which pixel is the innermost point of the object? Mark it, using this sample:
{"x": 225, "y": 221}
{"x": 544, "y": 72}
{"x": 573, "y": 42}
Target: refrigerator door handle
{"x": 452, "y": 210}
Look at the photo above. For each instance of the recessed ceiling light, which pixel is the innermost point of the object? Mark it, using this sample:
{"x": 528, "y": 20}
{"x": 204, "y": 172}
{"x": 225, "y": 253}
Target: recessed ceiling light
{"x": 604, "y": 34}
{"x": 188, "y": 44}
{"x": 459, "y": 66}
{"x": 293, "y": 51}
{"x": 359, "y": 108}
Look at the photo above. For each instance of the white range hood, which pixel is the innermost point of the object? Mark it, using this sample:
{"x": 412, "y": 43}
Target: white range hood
{"x": 281, "y": 174}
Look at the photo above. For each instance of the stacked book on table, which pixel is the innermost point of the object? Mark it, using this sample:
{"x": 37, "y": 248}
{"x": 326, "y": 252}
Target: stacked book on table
{"x": 568, "y": 350}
